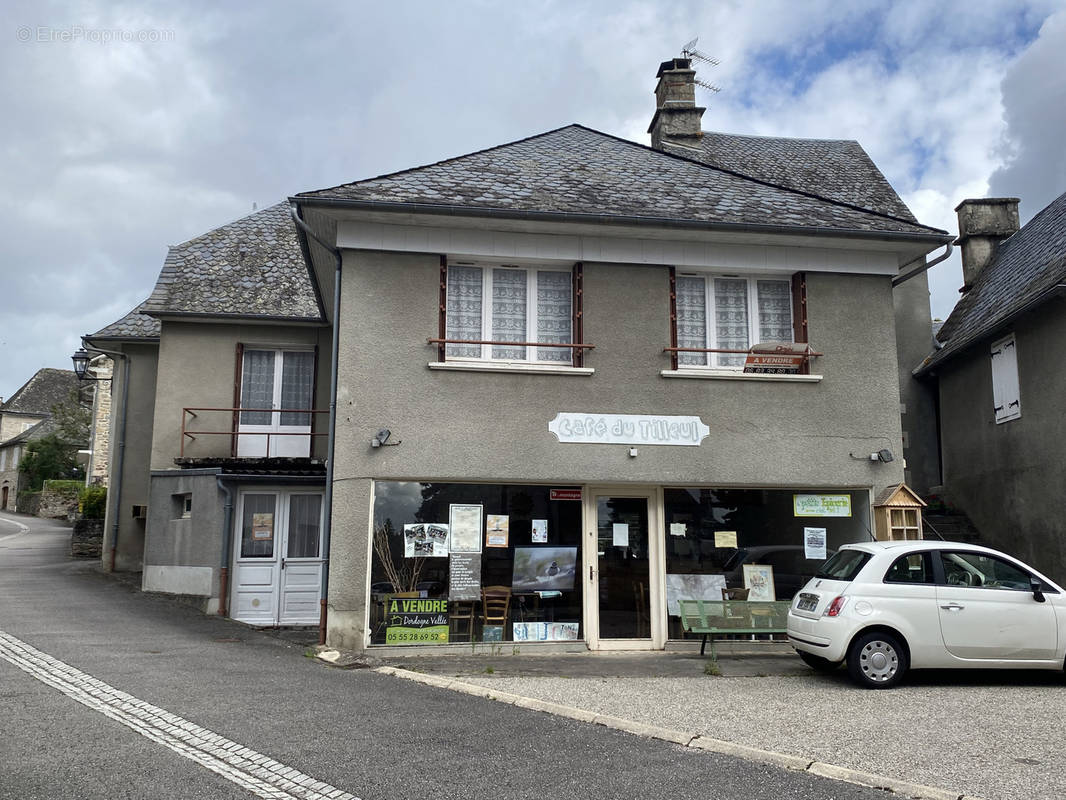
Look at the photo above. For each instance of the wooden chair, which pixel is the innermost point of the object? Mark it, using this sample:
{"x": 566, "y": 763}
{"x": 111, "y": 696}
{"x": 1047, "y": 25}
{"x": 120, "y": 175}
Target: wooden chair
{"x": 461, "y": 620}
{"x": 640, "y": 597}
{"x": 495, "y": 605}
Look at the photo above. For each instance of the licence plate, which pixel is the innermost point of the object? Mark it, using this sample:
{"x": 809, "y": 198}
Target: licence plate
{"x": 807, "y": 602}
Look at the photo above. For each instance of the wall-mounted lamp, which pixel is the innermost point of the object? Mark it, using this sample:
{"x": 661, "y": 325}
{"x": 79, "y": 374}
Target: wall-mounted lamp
{"x": 381, "y": 439}
{"x": 884, "y": 456}
{"x": 81, "y": 360}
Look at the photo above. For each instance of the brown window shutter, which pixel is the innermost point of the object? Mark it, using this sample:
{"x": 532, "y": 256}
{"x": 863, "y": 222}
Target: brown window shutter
{"x": 238, "y": 374}
{"x": 577, "y": 307}
{"x": 673, "y": 317}
{"x": 442, "y": 319}
{"x": 799, "y": 307}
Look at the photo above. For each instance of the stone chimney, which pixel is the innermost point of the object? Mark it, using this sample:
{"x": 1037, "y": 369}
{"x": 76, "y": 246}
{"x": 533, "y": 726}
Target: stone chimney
{"x": 677, "y": 117}
{"x": 983, "y": 224}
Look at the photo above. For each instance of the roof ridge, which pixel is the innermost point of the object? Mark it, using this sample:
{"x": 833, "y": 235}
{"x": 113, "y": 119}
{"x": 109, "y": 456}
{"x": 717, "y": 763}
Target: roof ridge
{"x": 646, "y": 148}
{"x": 780, "y": 138}
{"x": 233, "y": 221}
{"x": 801, "y": 192}
{"x": 445, "y": 160}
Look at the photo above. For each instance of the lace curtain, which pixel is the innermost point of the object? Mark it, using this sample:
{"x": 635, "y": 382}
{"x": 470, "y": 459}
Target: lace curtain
{"x": 304, "y": 514}
{"x": 509, "y": 312}
{"x": 691, "y": 318}
{"x": 257, "y": 386}
{"x": 775, "y": 311}
{"x": 464, "y": 310}
{"x": 554, "y": 315}
{"x": 731, "y": 319}
{"x": 297, "y": 383}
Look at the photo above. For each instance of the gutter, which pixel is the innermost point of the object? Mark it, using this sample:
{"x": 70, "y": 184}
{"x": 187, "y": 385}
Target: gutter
{"x": 331, "y": 440}
{"x": 114, "y": 498}
{"x": 613, "y": 220}
{"x": 227, "y": 538}
{"x": 920, "y": 266}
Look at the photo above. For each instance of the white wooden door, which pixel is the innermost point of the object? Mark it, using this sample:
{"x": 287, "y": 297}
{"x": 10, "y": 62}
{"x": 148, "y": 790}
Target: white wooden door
{"x": 276, "y": 386}
{"x": 277, "y": 570}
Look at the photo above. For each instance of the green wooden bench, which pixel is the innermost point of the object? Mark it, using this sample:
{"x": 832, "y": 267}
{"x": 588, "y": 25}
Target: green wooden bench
{"x": 709, "y": 618}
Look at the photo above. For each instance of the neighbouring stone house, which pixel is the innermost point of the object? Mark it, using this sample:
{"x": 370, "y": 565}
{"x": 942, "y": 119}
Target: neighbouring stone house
{"x": 999, "y": 378}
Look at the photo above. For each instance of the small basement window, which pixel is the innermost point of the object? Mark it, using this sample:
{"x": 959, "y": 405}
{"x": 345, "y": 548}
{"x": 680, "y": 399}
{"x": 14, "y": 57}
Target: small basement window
{"x": 182, "y": 505}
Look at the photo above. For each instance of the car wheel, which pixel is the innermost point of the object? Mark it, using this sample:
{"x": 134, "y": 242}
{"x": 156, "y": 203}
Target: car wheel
{"x": 877, "y": 660}
{"x": 817, "y": 663}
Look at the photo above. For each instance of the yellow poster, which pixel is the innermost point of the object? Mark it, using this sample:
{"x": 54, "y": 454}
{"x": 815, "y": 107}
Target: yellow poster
{"x": 262, "y": 527}
{"x": 725, "y": 539}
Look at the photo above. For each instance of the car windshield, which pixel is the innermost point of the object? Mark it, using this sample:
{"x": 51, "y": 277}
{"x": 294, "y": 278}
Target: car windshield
{"x": 844, "y": 566}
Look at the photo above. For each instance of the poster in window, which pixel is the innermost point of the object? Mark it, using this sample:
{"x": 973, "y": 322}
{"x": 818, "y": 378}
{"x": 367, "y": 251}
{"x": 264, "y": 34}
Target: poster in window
{"x": 464, "y": 576}
{"x": 425, "y": 540}
{"x": 543, "y": 569}
{"x": 497, "y": 530}
{"x": 725, "y": 539}
{"x": 416, "y": 621}
{"x": 759, "y": 581}
{"x": 262, "y": 527}
{"x": 620, "y": 534}
{"x": 814, "y": 543}
{"x": 540, "y": 531}
{"x": 464, "y": 523}
{"x": 692, "y": 587}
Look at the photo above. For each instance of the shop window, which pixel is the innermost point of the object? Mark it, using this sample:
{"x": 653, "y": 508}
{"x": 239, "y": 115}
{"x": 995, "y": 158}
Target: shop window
{"x": 719, "y": 540}
{"x": 474, "y": 562}
{"x": 1006, "y": 397}
{"x": 511, "y": 314}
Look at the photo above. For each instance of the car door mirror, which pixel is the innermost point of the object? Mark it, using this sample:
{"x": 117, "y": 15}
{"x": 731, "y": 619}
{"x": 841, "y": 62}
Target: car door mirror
{"x": 1038, "y": 589}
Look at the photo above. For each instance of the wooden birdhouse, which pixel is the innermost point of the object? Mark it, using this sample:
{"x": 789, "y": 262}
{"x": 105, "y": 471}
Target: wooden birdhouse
{"x": 898, "y": 514}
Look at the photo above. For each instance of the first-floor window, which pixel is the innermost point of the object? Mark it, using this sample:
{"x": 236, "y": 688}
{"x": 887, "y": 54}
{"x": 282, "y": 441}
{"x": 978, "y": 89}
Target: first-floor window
{"x": 730, "y": 313}
{"x": 509, "y": 304}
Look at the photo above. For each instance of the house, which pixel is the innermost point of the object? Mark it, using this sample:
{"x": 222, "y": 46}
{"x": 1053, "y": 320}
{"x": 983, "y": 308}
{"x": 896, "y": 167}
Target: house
{"x": 999, "y": 383}
{"x": 574, "y": 371}
{"x": 132, "y": 343}
{"x": 21, "y": 414}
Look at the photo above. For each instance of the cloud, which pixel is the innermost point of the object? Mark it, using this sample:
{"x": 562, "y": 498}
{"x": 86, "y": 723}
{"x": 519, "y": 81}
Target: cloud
{"x": 1034, "y": 100}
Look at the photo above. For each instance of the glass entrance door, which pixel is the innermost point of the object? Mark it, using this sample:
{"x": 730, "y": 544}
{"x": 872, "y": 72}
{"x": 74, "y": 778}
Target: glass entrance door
{"x": 621, "y": 576}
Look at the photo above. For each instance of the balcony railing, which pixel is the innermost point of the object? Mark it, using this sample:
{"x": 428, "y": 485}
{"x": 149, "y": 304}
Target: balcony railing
{"x": 760, "y": 358}
{"x": 268, "y": 431}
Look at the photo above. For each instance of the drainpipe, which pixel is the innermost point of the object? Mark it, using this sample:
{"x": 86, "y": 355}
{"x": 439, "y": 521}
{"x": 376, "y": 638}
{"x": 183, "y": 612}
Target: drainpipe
{"x": 227, "y": 538}
{"x": 327, "y": 524}
{"x": 115, "y": 497}
{"x": 919, "y": 265}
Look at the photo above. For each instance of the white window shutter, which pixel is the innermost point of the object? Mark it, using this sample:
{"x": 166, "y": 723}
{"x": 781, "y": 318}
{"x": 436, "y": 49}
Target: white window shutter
{"x": 1006, "y": 396}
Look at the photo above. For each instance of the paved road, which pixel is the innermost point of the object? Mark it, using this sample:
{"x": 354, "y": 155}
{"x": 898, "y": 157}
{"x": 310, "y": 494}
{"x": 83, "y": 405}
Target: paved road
{"x": 109, "y": 693}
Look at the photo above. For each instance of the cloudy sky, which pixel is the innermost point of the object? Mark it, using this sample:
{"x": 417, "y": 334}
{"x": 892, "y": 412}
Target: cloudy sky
{"x": 131, "y": 127}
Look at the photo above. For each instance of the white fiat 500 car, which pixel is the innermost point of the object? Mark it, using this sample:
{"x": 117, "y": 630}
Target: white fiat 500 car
{"x": 884, "y": 607}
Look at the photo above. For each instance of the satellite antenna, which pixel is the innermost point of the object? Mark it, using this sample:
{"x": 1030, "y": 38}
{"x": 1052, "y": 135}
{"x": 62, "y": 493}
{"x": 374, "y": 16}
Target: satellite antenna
{"x": 688, "y": 50}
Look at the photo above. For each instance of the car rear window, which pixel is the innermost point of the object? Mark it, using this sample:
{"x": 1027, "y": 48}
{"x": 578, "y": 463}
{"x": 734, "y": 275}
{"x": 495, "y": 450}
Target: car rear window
{"x": 844, "y": 566}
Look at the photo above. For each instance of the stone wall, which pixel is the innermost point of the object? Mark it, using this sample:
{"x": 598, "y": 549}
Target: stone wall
{"x": 87, "y": 538}
{"x": 59, "y": 500}
{"x": 100, "y": 444}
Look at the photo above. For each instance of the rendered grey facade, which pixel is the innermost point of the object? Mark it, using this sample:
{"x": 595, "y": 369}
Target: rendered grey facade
{"x": 640, "y": 276}
{"x": 1002, "y": 428}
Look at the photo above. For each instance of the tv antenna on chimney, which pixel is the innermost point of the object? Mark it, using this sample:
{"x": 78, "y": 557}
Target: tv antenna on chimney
{"x": 689, "y": 51}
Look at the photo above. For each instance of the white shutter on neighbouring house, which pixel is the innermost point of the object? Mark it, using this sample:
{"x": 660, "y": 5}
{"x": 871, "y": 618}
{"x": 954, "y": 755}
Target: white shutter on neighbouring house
{"x": 1006, "y": 398}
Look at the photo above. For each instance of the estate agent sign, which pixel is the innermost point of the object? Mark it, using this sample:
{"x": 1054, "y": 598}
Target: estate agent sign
{"x": 416, "y": 621}
{"x": 628, "y": 429}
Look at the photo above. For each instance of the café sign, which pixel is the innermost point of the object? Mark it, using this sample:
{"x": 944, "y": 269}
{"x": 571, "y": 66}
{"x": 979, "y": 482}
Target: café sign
{"x": 646, "y": 429}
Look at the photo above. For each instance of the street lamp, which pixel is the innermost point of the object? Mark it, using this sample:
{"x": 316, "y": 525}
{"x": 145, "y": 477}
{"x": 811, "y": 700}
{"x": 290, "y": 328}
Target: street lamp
{"x": 81, "y": 360}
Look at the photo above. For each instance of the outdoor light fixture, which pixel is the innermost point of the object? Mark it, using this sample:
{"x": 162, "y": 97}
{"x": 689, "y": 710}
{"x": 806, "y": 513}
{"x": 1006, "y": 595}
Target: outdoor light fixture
{"x": 883, "y": 456}
{"x": 81, "y": 366}
{"x": 382, "y": 439}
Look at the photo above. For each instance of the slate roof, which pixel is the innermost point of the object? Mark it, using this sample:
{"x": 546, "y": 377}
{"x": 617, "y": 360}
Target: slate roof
{"x": 135, "y": 325}
{"x": 582, "y": 171}
{"x": 837, "y": 169}
{"x": 252, "y": 267}
{"x": 1027, "y": 269}
{"x": 45, "y": 389}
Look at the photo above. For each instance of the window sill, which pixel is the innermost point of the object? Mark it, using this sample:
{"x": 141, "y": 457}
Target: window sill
{"x": 734, "y": 375}
{"x": 510, "y": 366}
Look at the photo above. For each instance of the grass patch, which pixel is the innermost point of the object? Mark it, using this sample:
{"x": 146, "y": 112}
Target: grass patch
{"x": 712, "y": 668}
